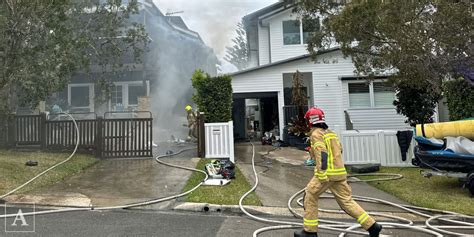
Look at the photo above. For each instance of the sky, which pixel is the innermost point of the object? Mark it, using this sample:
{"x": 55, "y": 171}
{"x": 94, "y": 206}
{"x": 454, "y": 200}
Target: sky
{"x": 214, "y": 20}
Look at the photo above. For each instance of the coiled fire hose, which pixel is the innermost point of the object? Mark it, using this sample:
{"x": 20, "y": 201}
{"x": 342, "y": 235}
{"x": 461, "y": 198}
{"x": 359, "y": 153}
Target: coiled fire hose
{"x": 349, "y": 227}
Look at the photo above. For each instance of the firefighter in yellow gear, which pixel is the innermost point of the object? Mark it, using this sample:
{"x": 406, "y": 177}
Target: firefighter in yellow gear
{"x": 191, "y": 117}
{"x": 329, "y": 173}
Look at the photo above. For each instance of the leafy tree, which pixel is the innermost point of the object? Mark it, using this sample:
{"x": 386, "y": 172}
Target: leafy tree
{"x": 460, "y": 96}
{"x": 44, "y": 42}
{"x": 420, "y": 42}
{"x": 238, "y": 54}
{"x": 213, "y": 96}
{"x": 416, "y": 102}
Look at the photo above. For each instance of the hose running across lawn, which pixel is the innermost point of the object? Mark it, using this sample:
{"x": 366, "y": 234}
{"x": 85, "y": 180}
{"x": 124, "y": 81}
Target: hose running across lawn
{"x": 150, "y": 202}
{"x": 52, "y": 167}
{"x": 126, "y": 206}
{"x": 337, "y": 225}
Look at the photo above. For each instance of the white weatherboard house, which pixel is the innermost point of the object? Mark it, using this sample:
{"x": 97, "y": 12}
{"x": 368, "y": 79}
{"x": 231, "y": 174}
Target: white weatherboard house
{"x": 262, "y": 93}
{"x": 277, "y": 45}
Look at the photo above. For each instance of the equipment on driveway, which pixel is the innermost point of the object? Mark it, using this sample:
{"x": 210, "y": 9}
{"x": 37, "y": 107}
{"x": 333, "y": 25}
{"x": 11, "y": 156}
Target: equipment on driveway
{"x": 220, "y": 172}
{"x": 220, "y": 169}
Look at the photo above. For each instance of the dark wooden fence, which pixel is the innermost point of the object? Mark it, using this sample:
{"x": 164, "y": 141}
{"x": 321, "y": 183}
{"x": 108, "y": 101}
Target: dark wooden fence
{"x": 28, "y": 129}
{"x": 201, "y": 137}
{"x": 5, "y": 121}
{"x": 122, "y": 138}
{"x": 63, "y": 134}
{"x": 109, "y": 138}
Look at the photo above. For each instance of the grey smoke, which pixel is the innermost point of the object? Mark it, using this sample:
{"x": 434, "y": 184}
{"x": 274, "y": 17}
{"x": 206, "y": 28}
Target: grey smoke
{"x": 215, "y": 20}
{"x": 175, "y": 56}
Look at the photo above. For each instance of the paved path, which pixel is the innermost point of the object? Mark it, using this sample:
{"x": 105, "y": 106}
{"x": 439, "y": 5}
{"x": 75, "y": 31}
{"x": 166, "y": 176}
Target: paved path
{"x": 119, "y": 181}
{"x": 279, "y": 181}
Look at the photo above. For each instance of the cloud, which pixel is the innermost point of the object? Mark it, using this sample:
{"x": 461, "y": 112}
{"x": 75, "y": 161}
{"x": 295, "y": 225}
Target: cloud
{"x": 214, "y": 20}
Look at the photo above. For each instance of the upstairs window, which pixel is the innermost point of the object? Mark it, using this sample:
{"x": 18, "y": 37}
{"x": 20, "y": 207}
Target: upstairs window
{"x": 291, "y": 32}
{"x": 296, "y": 33}
{"x": 309, "y": 27}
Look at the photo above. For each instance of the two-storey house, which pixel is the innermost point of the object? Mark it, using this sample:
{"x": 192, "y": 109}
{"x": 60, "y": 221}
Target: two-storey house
{"x": 173, "y": 54}
{"x": 262, "y": 93}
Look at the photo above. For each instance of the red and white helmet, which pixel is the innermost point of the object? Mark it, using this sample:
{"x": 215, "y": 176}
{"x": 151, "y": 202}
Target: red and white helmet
{"x": 314, "y": 115}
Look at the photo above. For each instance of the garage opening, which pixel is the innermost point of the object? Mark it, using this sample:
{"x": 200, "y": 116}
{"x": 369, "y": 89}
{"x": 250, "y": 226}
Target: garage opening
{"x": 254, "y": 114}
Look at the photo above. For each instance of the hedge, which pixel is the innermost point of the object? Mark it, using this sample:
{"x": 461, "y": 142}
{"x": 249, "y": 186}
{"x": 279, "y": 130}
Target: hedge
{"x": 213, "y": 96}
{"x": 460, "y": 96}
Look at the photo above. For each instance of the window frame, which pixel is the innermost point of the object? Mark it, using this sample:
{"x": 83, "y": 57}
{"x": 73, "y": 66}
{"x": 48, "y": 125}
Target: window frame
{"x": 301, "y": 32}
{"x": 125, "y": 93}
{"x": 90, "y": 86}
{"x": 371, "y": 95}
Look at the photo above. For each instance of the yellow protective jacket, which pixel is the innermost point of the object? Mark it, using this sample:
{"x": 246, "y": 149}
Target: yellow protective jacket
{"x": 330, "y": 167}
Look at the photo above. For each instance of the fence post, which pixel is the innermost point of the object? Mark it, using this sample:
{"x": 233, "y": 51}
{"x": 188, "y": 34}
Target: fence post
{"x": 231, "y": 141}
{"x": 98, "y": 136}
{"x": 201, "y": 135}
{"x": 381, "y": 148}
{"x": 4, "y": 131}
{"x": 11, "y": 131}
{"x": 42, "y": 135}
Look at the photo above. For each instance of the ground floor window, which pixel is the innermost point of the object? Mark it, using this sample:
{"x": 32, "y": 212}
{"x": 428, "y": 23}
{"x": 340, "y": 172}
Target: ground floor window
{"x": 378, "y": 94}
{"x": 135, "y": 91}
{"x": 81, "y": 97}
{"x": 116, "y": 95}
{"x": 124, "y": 95}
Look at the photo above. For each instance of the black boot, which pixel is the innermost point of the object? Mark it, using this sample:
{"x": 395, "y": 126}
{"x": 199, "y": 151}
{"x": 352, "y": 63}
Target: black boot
{"x": 375, "y": 229}
{"x": 302, "y": 233}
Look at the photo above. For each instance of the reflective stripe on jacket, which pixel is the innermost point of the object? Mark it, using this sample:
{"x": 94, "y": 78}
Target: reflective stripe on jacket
{"x": 332, "y": 166}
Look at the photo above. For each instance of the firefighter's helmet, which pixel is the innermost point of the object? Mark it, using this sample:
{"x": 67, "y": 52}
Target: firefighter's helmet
{"x": 314, "y": 115}
{"x": 188, "y": 108}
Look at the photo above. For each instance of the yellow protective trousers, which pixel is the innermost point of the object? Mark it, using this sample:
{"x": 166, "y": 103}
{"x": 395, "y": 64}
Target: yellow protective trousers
{"x": 343, "y": 194}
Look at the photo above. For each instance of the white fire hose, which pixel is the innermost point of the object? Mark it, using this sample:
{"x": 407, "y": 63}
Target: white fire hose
{"x": 345, "y": 227}
{"x": 153, "y": 201}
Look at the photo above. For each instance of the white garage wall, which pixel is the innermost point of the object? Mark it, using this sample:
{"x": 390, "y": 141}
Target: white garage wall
{"x": 326, "y": 83}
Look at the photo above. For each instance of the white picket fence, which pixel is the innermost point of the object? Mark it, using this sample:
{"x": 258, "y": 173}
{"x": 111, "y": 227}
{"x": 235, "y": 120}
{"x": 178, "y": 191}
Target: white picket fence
{"x": 219, "y": 140}
{"x": 374, "y": 146}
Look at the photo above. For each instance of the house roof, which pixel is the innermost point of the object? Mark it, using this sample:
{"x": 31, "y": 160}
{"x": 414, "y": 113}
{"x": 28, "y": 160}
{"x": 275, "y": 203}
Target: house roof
{"x": 320, "y": 52}
{"x": 177, "y": 21}
{"x": 265, "y": 10}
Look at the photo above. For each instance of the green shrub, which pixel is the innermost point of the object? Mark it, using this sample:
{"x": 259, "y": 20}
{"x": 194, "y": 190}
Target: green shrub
{"x": 213, "y": 96}
{"x": 417, "y": 103}
{"x": 460, "y": 96}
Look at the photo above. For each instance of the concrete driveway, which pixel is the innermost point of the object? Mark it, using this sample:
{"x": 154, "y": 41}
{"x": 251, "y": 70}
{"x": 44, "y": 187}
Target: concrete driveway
{"x": 282, "y": 173}
{"x": 119, "y": 181}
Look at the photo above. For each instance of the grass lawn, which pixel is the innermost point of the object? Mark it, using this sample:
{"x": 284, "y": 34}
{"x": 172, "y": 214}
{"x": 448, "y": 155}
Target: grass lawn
{"x": 14, "y": 172}
{"x": 436, "y": 192}
{"x": 227, "y": 195}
